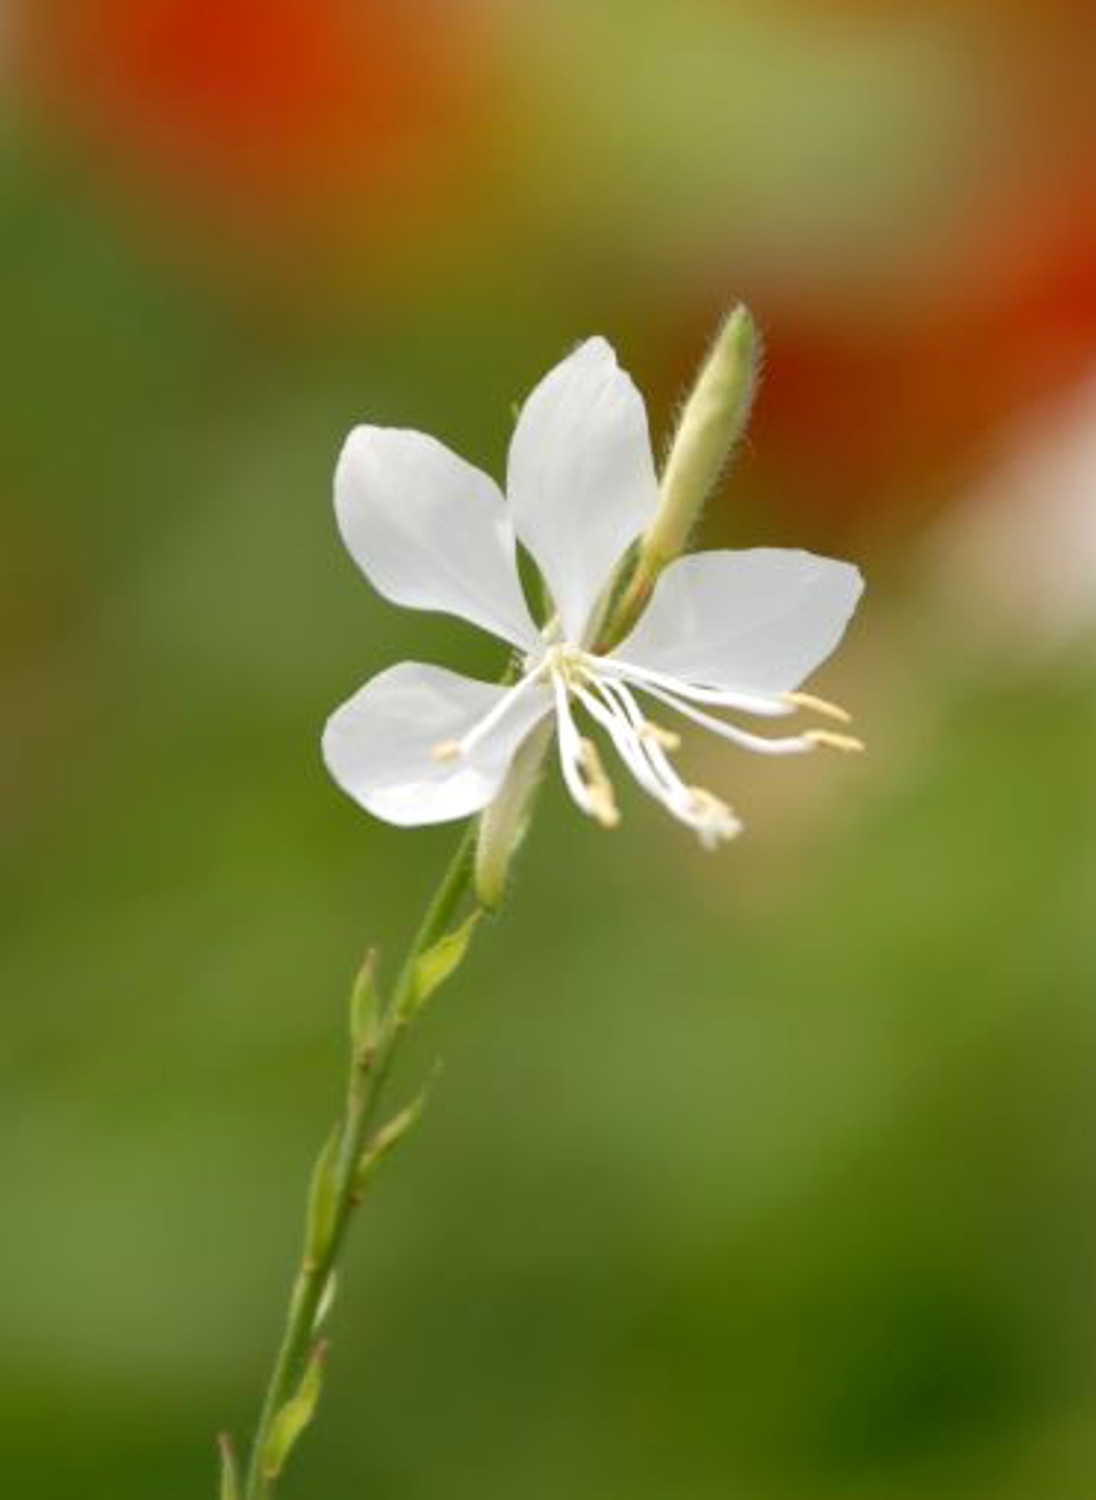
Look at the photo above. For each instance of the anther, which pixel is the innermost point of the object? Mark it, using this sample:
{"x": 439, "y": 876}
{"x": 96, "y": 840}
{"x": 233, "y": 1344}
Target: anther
{"x": 665, "y": 739}
{"x": 448, "y": 750}
{"x": 705, "y": 803}
{"x": 717, "y": 821}
{"x": 599, "y": 788}
{"x": 833, "y": 741}
{"x": 819, "y": 705}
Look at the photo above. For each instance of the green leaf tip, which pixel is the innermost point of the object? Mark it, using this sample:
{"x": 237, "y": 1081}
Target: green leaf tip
{"x": 292, "y": 1418}
{"x": 323, "y": 1192}
{"x": 437, "y": 964}
{"x": 389, "y": 1136}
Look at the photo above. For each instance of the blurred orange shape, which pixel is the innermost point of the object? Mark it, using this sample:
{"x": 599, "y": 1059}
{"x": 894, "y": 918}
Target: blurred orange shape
{"x": 872, "y": 404}
{"x": 263, "y": 108}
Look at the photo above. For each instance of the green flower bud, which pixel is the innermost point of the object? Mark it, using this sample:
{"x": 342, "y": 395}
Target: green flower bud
{"x": 712, "y": 420}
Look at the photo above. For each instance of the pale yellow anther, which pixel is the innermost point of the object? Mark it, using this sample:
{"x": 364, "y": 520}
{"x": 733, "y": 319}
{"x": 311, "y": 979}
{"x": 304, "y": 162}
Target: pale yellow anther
{"x": 717, "y": 820}
{"x": 447, "y": 750}
{"x": 666, "y": 739}
{"x": 603, "y": 808}
{"x": 818, "y": 705}
{"x": 833, "y": 741}
{"x": 600, "y": 789}
{"x": 707, "y": 803}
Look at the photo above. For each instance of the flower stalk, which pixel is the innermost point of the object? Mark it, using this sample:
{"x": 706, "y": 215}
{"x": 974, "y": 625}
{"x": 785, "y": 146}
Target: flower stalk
{"x": 346, "y": 1166}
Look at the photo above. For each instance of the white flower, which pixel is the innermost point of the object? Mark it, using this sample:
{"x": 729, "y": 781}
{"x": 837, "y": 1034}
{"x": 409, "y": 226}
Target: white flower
{"x": 722, "y": 630}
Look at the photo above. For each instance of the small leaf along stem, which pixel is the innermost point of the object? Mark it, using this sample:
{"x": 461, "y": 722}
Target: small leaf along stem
{"x": 345, "y": 1169}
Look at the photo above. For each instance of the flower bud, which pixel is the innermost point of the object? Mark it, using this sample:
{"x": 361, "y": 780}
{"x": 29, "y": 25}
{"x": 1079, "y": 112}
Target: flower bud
{"x": 712, "y": 421}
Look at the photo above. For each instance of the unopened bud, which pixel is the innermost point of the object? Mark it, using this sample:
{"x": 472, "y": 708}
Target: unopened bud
{"x": 713, "y": 419}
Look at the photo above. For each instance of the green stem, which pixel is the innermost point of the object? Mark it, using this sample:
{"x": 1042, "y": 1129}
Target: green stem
{"x": 369, "y": 1072}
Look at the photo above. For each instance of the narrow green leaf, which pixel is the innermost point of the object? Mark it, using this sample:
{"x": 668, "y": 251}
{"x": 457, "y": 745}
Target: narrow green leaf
{"x": 365, "y": 1009}
{"x": 230, "y": 1478}
{"x": 322, "y": 1199}
{"x": 292, "y": 1419}
{"x": 435, "y": 966}
{"x": 390, "y": 1135}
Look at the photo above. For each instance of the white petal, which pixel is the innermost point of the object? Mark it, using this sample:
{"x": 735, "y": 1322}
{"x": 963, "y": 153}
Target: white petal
{"x": 430, "y": 531}
{"x": 582, "y": 482}
{"x": 380, "y": 745}
{"x": 757, "y": 621}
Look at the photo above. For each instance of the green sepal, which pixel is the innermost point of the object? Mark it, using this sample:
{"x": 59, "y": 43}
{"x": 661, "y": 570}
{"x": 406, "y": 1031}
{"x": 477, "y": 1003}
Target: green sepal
{"x": 292, "y": 1418}
{"x": 322, "y": 1200}
{"x": 390, "y": 1135}
{"x": 365, "y": 1009}
{"x": 435, "y": 966}
{"x": 230, "y": 1477}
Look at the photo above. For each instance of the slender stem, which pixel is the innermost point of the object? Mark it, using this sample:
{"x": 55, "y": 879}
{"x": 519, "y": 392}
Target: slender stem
{"x": 369, "y": 1073}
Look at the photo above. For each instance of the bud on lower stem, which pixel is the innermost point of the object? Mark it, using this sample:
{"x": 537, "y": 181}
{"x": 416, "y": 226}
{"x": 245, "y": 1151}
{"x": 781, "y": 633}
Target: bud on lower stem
{"x": 503, "y": 825}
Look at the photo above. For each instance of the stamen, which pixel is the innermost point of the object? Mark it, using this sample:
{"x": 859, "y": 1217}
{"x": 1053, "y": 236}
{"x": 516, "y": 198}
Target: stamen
{"x": 819, "y": 705}
{"x": 716, "y": 820}
{"x": 446, "y": 750}
{"x": 600, "y": 788}
{"x": 645, "y": 757}
{"x": 772, "y": 706}
{"x": 712, "y": 819}
{"x": 582, "y": 769}
{"x": 705, "y": 801}
{"x": 655, "y": 734}
{"x": 794, "y": 745}
{"x": 834, "y": 741}
{"x": 650, "y": 752}
{"x": 627, "y": 742}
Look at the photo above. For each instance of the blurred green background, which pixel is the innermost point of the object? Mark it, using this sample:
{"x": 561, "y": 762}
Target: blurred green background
{"x": 765, "y": 1174}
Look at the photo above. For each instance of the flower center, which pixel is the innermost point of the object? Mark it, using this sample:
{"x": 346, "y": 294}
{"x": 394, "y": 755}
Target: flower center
{"x": 568, "y": 663}
{"x": 641, "y": 744}
{"x": 603, "y": 688}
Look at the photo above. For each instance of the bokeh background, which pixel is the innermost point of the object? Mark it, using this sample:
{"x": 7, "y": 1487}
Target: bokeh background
{"x": 764, "y": 1174}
